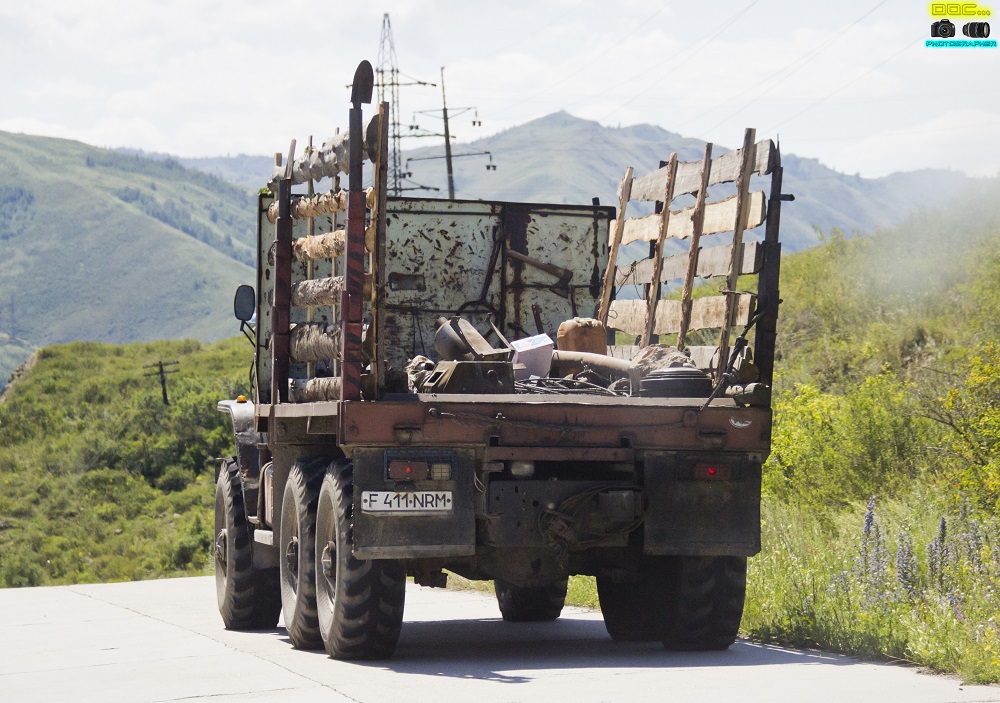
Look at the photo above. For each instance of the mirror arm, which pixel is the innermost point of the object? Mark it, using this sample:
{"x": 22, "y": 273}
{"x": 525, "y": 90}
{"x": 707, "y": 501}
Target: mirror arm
{"x": 243, "y": 329}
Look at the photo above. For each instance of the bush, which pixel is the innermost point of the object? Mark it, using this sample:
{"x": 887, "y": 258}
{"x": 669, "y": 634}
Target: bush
{"x": 18, "y": 570}
{"x": 830, "y": 449}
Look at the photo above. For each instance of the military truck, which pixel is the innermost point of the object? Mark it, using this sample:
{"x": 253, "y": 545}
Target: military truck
{"x": 466, "y": 386}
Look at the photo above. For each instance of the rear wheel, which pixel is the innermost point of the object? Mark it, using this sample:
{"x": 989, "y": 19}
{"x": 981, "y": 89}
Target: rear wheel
{"x": 709, "y": 604}
{"x": 539, "y": 604}
{"x": 688, "y": 603}
{"x": 359, "y": 602}
{"x": 249, "y": 598}
{"x": 638, "y": 610}
{"x": 297, "y": 539}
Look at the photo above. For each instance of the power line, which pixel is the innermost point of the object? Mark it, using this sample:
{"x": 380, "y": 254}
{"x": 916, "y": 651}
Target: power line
{"x": 847, "y": 84}
{"x": 162, "y": 373}
{"x": 387, "y": 80}
{"x": 704, "y": 41}
{"x": 447, "y": 139}
{"x": 583, "y": 66}
{"x": 794, "y": 65}
{"x": 561, "y": 17}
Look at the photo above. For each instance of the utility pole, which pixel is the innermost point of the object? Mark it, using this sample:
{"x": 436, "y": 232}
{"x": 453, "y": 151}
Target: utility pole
{"x": 448, "y": 156}
{"x": 162, "y": 373}
{"x": 447, "y": 140}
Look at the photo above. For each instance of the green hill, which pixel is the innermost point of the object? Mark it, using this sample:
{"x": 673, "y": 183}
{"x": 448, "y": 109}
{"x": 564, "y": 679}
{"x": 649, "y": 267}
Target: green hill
{"x": 105, "y": 246}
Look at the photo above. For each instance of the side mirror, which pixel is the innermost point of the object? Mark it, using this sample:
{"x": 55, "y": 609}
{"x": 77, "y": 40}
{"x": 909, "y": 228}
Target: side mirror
{"x": 245, "y": 303}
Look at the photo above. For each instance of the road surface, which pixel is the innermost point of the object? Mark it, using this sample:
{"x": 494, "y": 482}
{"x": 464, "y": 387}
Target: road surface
{"x": 164, "y": 641}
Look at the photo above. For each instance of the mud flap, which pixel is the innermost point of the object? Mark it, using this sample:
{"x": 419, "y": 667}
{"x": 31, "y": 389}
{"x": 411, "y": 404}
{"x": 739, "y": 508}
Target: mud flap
{"x": 701, "y": 504}
{"x": 447, "y": 532}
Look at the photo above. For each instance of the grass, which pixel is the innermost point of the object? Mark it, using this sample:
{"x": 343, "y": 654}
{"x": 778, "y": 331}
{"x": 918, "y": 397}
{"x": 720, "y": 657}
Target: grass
{"x": 884, "y": 582}
{"x": 101, "y": 481}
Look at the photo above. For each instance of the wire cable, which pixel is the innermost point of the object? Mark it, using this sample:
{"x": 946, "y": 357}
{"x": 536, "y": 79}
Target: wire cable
{"x": 705, "y": 41}
{"x": 792, "y": 68}
{"x": 851, "y": 82}
{"x": 583, "y": 66}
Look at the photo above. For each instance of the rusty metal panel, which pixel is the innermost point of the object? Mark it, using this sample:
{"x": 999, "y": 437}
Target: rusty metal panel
{"x": 437, "y": 263}
{"x": 524, "y": 420}
{"x": 574, "y": 238}
{"x": 392, "y": 536}
{"x": 449, "y": 257}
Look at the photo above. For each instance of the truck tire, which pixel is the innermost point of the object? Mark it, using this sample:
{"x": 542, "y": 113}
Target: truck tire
{"x": 539, "y": 604}
{"x": 638, "y": 610}
{"x": 359, "y": 602}
{"x": 249, "y": 598}
{"x": 707, "y": 610}
{"x": 297, "y": 539}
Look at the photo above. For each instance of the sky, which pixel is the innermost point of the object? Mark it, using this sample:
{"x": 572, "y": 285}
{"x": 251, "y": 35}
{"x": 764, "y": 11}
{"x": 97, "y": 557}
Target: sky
{"x": 850, "y": 83}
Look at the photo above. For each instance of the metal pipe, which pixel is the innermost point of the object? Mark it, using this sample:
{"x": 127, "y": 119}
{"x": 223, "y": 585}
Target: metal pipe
{"x": 619, "y": 368}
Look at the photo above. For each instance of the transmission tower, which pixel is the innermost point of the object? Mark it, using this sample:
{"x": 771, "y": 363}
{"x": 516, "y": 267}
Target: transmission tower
{"x": 387, "y": 80}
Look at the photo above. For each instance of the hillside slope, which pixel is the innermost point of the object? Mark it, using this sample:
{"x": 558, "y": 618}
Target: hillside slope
{"x": 104, "y": 246}
{"x": 101, "y": 481}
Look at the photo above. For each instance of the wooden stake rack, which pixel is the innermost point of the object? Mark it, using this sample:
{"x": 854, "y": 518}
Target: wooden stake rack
{"x": 682, "y": 314}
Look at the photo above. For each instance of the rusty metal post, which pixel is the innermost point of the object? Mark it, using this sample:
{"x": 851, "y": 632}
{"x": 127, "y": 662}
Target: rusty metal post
{"x": 767, "y": 284}
{"x": 352, "y": 305}
{"x": 281, "y": 302}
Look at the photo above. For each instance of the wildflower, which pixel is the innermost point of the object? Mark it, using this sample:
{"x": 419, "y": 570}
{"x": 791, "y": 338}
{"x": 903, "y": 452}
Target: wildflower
{"x": 871, "y": 565}
{"x": 938, "y": 555}
{"x": 906, "y": 565}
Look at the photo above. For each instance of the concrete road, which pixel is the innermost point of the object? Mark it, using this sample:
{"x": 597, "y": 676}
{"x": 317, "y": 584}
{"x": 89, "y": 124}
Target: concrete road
{"x": 164, "y": 641}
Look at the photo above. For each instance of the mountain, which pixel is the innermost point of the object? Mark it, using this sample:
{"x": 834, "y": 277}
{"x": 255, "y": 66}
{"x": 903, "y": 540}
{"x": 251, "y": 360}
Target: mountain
{"x": 561, "y": 158}
{"x": 112, "y": 247}
{"x": 564, "y": 159}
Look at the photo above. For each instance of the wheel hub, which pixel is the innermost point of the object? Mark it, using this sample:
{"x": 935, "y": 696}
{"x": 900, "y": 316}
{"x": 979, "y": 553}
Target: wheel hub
{"x": 220, "y": 547}
{"x": 329, "y": 560}
{"x": 292, "y": 555}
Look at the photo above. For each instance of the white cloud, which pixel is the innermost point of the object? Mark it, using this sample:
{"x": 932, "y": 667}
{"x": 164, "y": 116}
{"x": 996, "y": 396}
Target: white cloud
{"x": 965, "y": 140}
{"x": 196, "y": 78}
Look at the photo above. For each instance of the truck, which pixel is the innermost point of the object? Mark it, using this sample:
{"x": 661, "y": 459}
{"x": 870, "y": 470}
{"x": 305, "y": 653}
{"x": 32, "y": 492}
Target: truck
{"x": 468, "y": 387}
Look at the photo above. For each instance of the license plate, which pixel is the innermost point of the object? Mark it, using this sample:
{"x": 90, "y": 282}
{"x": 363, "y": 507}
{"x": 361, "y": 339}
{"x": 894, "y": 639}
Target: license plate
{"x": 406, "y": 501}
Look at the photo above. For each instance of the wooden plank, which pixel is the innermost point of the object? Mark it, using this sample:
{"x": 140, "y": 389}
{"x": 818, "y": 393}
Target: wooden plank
{"x": 725, "y": 169}
{"x": 629, "y": 316}
{"x": 742, "y": 191}
{"x": 720, "y": 216}
{"x": 697, "y": 227}
{"x": 609, "y": 274}
{"x": 654, "y": 290}
{"x": 712, "y": 261}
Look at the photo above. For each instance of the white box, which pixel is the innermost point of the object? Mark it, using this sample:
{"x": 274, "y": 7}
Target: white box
{"x": 536, "y": 355}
